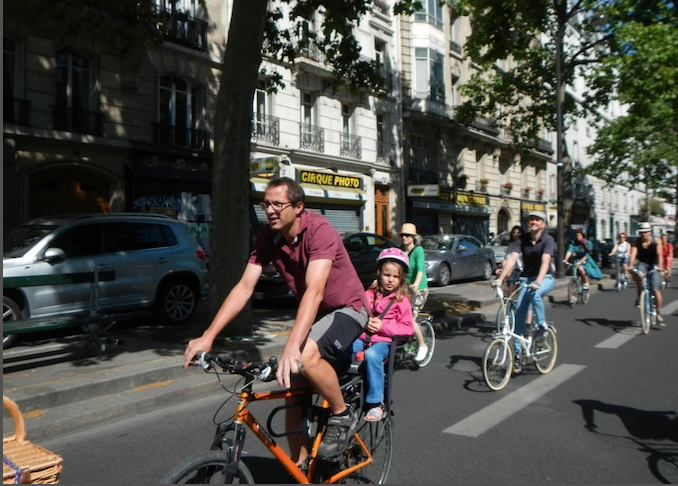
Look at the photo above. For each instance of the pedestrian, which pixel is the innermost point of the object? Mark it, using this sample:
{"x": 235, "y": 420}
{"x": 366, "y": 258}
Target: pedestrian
{"x": 309, "y": 253}
{"x": 646, "y": 255}
{"x": 667, "y": 255}
{"x": 581, "y": 250}
{"x": 417, "y": 280}
{"x": 536, "y": 248}
{"x": 391, "y": 314}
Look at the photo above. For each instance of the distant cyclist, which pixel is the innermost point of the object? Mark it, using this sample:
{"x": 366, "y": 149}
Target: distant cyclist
{"x": 621, "y": 251}
{"x": 646, "y": 254}
{"x": 581, "y": 250}
{"x": 536, "y": 248}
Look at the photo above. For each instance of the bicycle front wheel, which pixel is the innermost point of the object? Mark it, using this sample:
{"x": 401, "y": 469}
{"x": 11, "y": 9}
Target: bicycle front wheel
{"x": 210, "y": 467}
{"x": 505, "y": 310}
{"x": 378, "y": 440}
{"x": 545, "y": 353}
{"x": 429, "y": 339}
{"x": 497, "y": 364}
{"x": 572, "y": 292}
{"x": 585, "y": 296}
{"x": 644, "y": 300}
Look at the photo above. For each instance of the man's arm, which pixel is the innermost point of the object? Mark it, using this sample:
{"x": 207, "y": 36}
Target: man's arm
{"x": 317, "y": 273}
{"x": 232, "y": 305}
{"x": 632, "y": 260}
{"x": 660, "y": 253}
{"x": 507, "y": 265}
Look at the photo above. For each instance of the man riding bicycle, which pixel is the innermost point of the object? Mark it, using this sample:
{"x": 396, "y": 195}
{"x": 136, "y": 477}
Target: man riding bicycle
{"x": 310, "y": 255}
{"x": 646, "y": 255}
{"x": 536, "y": 248}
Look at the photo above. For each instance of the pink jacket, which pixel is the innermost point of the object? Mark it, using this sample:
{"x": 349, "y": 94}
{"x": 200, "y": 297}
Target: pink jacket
{"x": 398, "y": 319}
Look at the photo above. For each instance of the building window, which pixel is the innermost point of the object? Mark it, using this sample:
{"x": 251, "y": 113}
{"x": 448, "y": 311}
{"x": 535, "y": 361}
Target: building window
{"x": 429, "y": 77}
{"x": 431, "y": 12}
{"x": 15, "y": 109}
{"x": 75, "y": 102}
{"x": 383, "y": 147}
{"x": 311, "y": 136}
{"x": 177, "y": 115}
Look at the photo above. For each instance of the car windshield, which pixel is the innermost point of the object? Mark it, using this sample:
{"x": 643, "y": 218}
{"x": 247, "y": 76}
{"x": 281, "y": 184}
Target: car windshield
{"x": 22, "y": 238}
{"x": 500, "y": 240}
{"x": 437, "y": 242}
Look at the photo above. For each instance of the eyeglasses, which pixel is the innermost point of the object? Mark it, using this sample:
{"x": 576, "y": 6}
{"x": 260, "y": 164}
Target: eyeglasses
{"x": 277, "y": 206}
{"x": 406, "y": 235}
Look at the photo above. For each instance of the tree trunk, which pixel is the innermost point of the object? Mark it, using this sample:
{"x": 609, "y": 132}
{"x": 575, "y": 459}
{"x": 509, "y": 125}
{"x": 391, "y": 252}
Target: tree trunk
{"x": 230, "y": 233}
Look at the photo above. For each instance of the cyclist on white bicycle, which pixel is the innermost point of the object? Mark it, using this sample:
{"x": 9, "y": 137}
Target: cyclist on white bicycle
{"x": 536, "y": 248}
{"x": 646, "y": 255}
{"x": 621, "y": 251}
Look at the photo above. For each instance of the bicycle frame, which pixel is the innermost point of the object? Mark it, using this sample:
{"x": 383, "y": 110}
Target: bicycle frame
{"x": 243, "y": 416}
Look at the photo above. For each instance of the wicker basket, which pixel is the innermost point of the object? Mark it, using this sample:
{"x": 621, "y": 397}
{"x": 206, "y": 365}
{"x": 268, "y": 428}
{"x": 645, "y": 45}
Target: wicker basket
{"x": 44, "y": 466}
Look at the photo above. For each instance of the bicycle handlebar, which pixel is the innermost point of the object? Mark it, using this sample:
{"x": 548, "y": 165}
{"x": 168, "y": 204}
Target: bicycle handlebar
{"x": 264, "y": 371}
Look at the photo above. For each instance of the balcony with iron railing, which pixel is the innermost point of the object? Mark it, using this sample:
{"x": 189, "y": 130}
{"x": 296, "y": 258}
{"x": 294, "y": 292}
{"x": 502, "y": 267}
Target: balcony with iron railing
{"x": 350, "y": 146}
{"x": 385, "y": 153}
{"x": 179, "y": 137}
{"x": 16, "y": 111}
{"x": 266, "y": 129}
{"x": 310, "y": 58}
{"x": 311, "y": 137}
{"x": 181, "y": 28}
{"x": 78, "y": 121}
{"x": 422, "y": 176}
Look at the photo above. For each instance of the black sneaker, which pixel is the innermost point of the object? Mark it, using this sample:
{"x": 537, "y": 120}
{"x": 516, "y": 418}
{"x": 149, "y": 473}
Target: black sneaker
{"x": 516, "y": 365}
{"x": 637, "y": 304}
{"x": 337, "y": 433}
{"x": 541, "y": 334}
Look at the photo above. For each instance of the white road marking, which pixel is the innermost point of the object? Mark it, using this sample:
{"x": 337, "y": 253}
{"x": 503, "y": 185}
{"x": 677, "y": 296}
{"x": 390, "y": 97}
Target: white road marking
{"x": 483, "y": 420}
{"x": 613, "y": 342}
{"x": 616, "y": 340}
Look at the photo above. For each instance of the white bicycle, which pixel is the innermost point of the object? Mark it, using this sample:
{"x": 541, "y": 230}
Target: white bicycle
{"x": 498, "y": 358}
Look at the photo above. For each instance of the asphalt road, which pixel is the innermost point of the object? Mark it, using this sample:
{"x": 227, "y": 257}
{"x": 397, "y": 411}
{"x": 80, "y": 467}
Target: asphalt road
{"x": 607, "y": 413}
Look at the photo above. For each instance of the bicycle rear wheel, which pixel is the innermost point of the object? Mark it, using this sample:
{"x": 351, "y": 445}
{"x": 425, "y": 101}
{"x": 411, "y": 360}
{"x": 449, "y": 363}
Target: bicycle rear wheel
{"x": 497, "y": 364}
{"x": 378, "y": 440}
{"x": 572, "y": 292}
{"x": 209, "y": 467}
{"x": 644, "y": 300}
{"x": 501, "y": 316}
{"x": 429, "y": 339}
{"x": 545, "y": 353}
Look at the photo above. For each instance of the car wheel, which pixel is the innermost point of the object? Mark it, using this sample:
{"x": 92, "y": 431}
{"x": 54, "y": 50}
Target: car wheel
{"x": 444, "y": 275}
{"x": 177, "y": 302}
{"x": 487, "y": 271}
{"x": 10, "y": 312}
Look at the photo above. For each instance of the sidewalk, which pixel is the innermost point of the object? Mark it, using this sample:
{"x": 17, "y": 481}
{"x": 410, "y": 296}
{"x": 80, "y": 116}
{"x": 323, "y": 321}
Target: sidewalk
{"x": 60, "y": 390}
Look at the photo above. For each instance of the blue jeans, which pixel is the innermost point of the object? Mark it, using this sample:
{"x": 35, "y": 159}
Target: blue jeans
{"x": 528, "y": 297}
{"x": 374, "y": 366}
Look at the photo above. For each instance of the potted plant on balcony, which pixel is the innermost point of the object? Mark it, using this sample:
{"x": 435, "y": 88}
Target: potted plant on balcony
{"x": 483, "y": 184}
{"x": 527, "y": 190}
{"x": 507, "y": 187}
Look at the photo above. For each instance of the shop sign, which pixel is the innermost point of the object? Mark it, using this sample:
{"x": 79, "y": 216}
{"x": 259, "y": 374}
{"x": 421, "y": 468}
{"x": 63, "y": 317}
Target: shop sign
{"x": 332, "y": 180}
{"x": 264, "y": 166}
{"x": 528, "y": 207}
{"x": 423, "y": 190}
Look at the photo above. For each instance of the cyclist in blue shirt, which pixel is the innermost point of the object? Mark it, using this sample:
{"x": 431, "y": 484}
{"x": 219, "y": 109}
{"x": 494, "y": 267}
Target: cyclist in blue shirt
{"x": 536, "y": 248}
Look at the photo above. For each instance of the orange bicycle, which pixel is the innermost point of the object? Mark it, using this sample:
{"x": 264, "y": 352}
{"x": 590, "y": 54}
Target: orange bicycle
{"x": 367, "y": 458}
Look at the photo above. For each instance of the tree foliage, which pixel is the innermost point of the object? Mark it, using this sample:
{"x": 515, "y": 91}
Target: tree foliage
{"x": 514, "y": 44}
{"x": 641, "y": 147}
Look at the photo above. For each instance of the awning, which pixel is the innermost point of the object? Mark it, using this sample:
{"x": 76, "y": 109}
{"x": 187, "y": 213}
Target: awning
{"x": 447, "y": 206}
{"x": 259, "y": 184}
{"x": 343, "y": 195}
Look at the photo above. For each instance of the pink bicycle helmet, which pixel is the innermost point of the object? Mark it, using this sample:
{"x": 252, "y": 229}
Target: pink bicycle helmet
{"x": 394, "y": 254}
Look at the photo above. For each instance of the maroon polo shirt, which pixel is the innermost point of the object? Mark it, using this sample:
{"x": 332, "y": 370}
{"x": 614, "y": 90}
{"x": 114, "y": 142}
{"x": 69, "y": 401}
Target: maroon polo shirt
{"x": 317, "y": 239}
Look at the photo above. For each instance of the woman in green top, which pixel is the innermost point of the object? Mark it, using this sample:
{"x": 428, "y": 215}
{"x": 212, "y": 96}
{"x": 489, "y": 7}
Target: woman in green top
{"x": 416, "y": 279}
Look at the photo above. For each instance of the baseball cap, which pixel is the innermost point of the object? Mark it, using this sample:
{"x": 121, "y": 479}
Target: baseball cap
{"x": 537, "y": 214}
{"x": 644, "y": 226}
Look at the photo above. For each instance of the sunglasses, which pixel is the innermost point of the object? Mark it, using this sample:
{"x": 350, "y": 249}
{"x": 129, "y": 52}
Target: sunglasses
{"x": 406, "y": 235}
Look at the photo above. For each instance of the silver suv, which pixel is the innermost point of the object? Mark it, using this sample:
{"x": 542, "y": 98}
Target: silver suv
{"x": 142, "y": 261}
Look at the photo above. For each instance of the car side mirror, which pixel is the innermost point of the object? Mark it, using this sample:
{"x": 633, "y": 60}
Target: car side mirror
{"x": 461, "y": 248}
{"x": 54, "y": 255}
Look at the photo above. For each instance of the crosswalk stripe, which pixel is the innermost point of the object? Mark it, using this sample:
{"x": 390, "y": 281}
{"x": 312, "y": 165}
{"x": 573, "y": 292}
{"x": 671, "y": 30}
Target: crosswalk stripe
{"x": 486, "y": 418}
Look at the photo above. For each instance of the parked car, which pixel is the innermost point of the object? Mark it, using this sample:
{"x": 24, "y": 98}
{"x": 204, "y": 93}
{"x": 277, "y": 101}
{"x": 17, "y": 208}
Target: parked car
{"x": 363, "y": 249}
{"x": 498, "y": 244}
{"x": 151, "y": 262}
{"x": 456, "y": 257}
